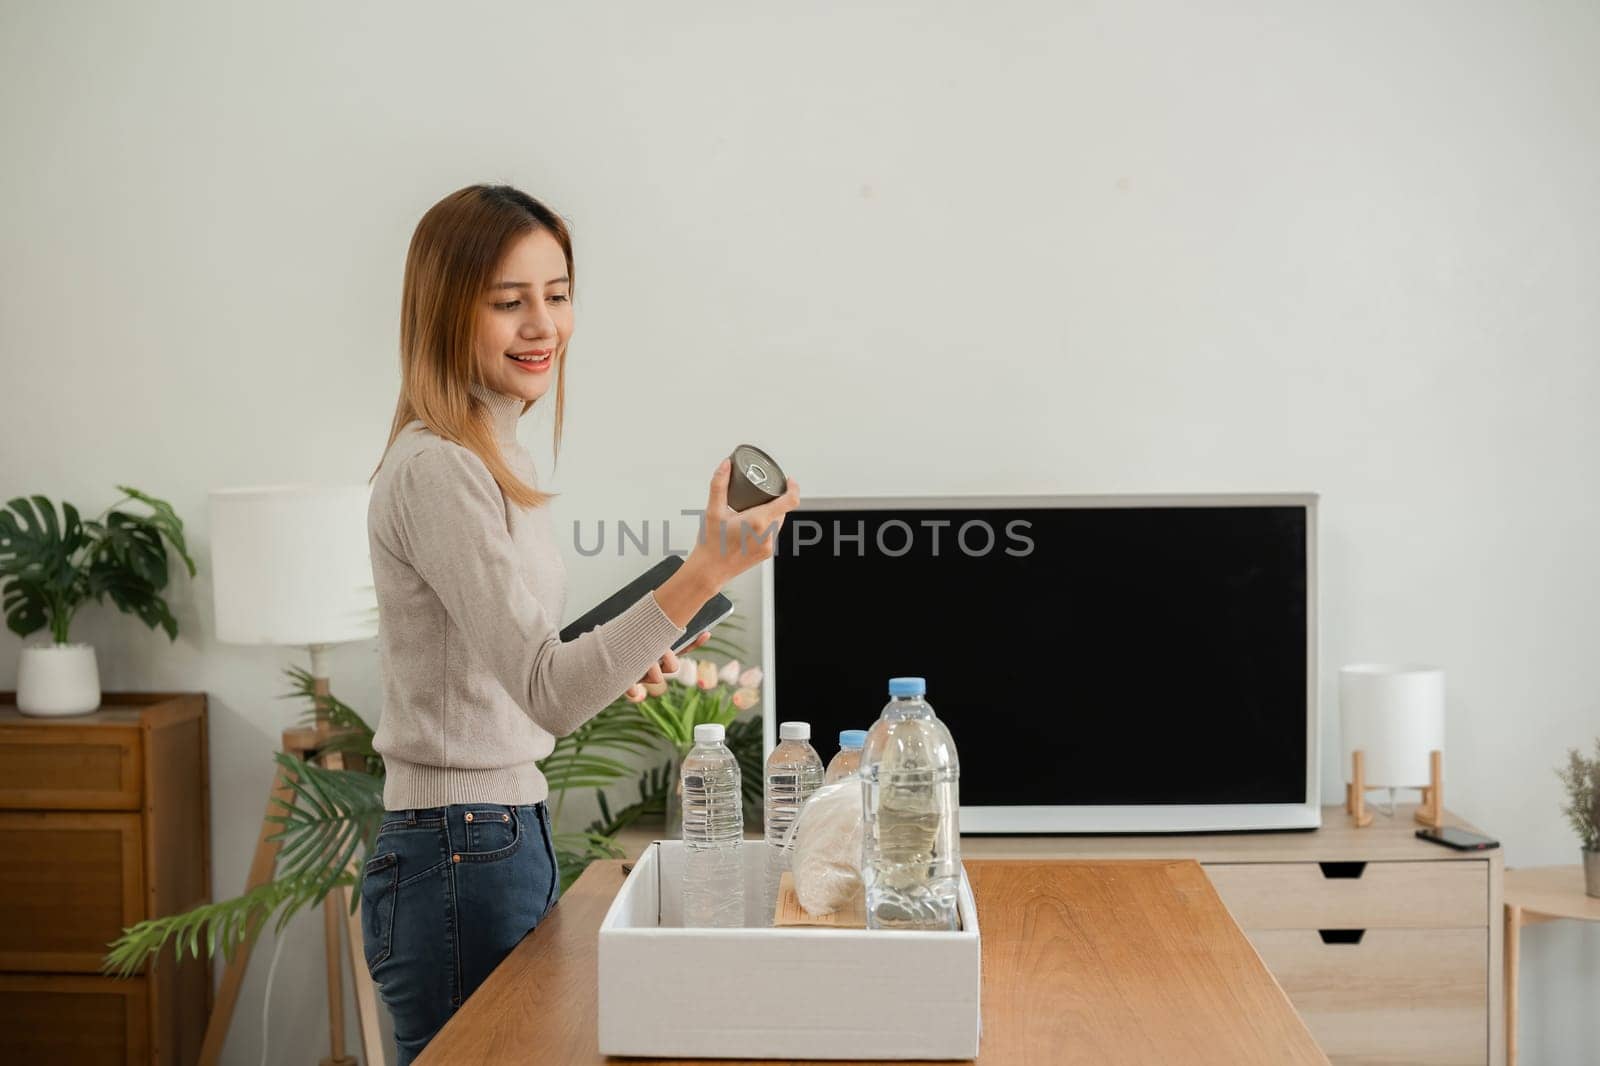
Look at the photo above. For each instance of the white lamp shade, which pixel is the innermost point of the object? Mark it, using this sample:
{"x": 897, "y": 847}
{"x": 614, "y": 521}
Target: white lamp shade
{"x": 290, "y": 565}
{"x": 1395, "y": 716}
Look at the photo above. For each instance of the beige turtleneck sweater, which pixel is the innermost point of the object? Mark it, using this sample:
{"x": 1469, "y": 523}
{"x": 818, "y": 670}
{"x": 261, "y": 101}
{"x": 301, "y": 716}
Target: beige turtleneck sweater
{"x": 476, "y": 682}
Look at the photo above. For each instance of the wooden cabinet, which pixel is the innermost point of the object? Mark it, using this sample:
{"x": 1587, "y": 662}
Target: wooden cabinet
{"x": 1402, "y": 996}
{"x": 104, "y": 821}
{"x": 1388, "y": 946}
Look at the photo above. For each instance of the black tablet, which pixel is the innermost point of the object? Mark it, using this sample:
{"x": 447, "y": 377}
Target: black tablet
{"x": 711, "y": 612}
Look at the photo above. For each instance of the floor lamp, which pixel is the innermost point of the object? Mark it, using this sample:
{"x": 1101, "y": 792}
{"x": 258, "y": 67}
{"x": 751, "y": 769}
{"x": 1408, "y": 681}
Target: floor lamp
{"x": 290, "y": 566}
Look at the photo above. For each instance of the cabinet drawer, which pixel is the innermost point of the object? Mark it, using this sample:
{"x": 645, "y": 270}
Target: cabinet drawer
{"x": 69, "y": 883}
{"x": 73, "y": 1021}
{"x": 1417, "y": 997}
{"x": 1373, "y": 895}
{"x": 70, "y": 767}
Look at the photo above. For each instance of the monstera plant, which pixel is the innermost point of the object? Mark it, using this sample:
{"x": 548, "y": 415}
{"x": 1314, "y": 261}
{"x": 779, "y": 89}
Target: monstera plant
{"x": 54, "y": 564}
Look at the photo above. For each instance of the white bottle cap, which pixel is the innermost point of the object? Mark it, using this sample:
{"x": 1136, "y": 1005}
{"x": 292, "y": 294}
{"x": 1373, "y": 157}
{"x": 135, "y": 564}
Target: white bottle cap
{"x": 708, "y": 734}
{"x": 794, "y": 731}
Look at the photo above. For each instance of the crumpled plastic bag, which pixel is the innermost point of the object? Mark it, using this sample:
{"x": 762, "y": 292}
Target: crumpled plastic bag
{"x": 826, "y": 859}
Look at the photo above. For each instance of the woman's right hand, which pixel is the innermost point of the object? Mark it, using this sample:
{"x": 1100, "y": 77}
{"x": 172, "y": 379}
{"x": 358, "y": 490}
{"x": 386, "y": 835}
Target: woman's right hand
{"x": 734, "y": 541}
{"x": 730, "y": 543}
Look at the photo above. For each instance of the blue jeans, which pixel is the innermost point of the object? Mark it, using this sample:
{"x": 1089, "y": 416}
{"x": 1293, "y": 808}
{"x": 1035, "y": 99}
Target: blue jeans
{"x": 446, "y": 895}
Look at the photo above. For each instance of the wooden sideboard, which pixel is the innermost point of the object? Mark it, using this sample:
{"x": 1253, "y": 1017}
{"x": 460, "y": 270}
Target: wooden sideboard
{"x": 1389, "y": 947}
{"x": 104, "y": 821}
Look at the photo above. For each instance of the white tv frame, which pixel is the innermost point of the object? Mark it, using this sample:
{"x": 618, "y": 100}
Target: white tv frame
{"x": 1163, "y": 818}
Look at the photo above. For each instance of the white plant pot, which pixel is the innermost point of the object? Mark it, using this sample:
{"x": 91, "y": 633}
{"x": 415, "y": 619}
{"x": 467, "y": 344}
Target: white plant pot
{"x": 58, "y": 679}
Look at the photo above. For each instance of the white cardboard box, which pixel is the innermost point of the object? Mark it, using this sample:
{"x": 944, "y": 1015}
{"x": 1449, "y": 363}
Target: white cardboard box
{"x": 771, "y": 993}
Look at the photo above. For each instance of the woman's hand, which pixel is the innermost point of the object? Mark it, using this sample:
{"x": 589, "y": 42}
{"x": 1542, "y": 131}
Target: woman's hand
{"x": 730, "y": 543}
{"x": 654, "y": 682}
{"x": 735, "y": 541}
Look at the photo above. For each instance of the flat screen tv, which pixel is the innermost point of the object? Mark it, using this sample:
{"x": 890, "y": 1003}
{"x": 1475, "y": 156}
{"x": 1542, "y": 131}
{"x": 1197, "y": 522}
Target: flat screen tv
{"x": 1105, "y": 664}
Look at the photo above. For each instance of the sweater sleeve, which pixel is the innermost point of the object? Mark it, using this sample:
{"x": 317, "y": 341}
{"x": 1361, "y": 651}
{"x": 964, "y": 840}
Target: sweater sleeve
{"x": 450, "y": 517}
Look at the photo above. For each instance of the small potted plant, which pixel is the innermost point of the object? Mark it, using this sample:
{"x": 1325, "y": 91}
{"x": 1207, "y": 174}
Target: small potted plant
{"x": 1582, "y": 779}
{"x": 52, "y": 565}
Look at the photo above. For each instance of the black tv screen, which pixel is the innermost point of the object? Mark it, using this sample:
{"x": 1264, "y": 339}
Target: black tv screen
{"x": 1088, "y": 656}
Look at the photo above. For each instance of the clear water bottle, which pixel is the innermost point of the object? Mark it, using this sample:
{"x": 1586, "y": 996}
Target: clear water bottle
{"x": 848, "y": 761}
{"x": 911, "y": 839}
{"x": 794, "y": 771}
{"x": 713, "y": 826}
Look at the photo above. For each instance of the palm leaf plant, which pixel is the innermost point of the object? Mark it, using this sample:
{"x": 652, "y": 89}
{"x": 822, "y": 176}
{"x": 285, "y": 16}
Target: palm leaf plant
{"x": 330, "y": 817}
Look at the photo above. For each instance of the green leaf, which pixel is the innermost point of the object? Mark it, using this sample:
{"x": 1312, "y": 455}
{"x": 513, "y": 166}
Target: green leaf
{"x": 351, "y": 733}
{"x": 26, "y": 607}
{"x": 43, "y": 584}
{"x": 618, "y": 732}
{"x": 166, "y": 521}
{"x": 134, "y": 544}
{"x": 575, "y": 851}
{"x": 581, "y": 770}
{"x": 330, "y": 816}
{"x": 653, "y": 786}
{"x": 226, "y": 924}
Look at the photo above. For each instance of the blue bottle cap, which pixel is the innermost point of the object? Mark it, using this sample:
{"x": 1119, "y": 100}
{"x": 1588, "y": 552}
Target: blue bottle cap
{"x": 852, "y": 738}
{"x": 908, "y": 686}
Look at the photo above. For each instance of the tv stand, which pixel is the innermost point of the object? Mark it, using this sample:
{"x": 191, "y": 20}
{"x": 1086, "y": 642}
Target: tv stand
{"x": 1389, "y": 947}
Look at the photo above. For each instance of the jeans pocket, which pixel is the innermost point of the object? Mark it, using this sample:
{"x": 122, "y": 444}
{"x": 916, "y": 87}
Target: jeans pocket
{"x": 501, "y": 830}
{"x": 380, "y": 880}
{"x": 489, "y": 829}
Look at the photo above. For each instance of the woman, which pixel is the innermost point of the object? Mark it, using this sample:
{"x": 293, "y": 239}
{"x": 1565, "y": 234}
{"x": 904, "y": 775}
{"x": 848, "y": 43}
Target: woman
{"x": 471, "y": 588}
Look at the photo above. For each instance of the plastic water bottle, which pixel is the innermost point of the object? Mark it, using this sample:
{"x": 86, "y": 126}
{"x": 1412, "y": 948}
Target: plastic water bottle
{"x": 794, "y": 771}
{"x": 911, "y": 839}
{"x": 713, "y": 826}
{"x": 848, "y": 761}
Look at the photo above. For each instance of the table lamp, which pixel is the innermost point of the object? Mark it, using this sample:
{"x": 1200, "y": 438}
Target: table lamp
{"x": 290, "y": 566}
{"x": 1392, "y": 719}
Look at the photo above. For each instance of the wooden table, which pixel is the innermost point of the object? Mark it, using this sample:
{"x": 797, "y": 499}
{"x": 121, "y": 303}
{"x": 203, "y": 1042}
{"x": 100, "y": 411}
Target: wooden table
{"x": 1534, "y": 895}
{"x": 1083, "y": 962}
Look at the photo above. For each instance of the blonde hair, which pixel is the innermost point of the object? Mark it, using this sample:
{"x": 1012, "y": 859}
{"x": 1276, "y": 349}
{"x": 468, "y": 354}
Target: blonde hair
{"x": 453, "y": 255}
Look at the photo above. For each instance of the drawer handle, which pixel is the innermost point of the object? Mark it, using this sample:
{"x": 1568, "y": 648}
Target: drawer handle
{"x": 1341, "y": 936}
{"x": 1336, "y": 871}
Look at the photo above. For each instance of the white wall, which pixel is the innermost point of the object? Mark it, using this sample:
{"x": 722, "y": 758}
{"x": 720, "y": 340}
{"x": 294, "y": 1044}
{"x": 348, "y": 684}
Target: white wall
{"x": 1347, "y": 248}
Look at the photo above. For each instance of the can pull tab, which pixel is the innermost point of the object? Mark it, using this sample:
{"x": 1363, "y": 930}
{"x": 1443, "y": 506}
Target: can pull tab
{"x": 756, "y": 473}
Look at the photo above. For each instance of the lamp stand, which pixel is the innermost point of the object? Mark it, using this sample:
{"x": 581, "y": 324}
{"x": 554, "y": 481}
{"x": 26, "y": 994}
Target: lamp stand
{"x": 1355, "y": 793}
{"x": 308, "y": 744}
{"x": 1430, "y": 813}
